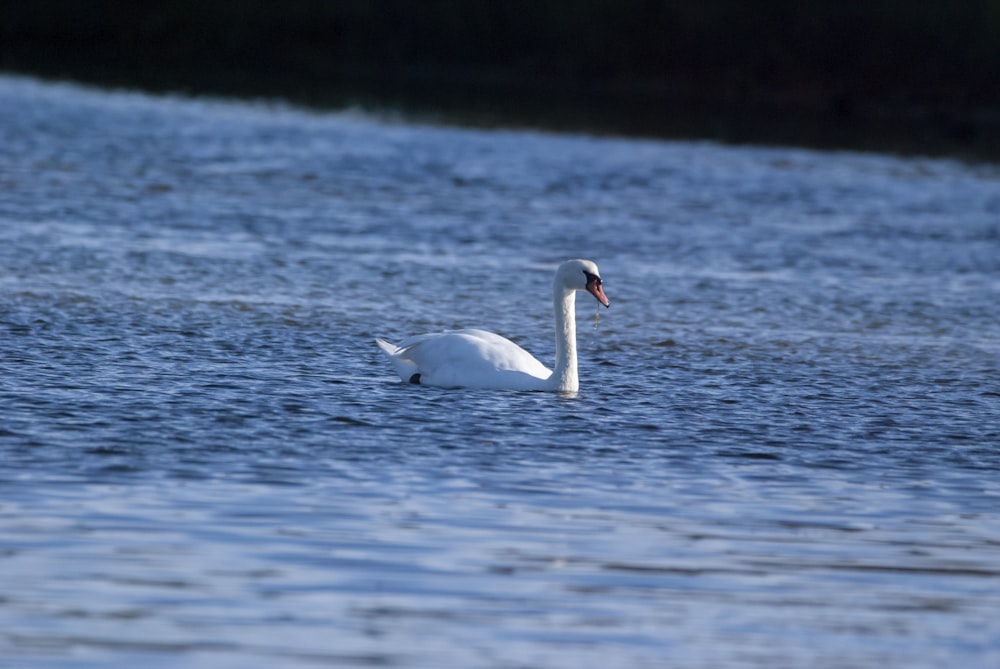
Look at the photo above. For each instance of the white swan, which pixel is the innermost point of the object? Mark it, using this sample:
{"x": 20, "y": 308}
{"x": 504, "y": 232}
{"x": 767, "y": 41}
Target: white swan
{"x": 480, "y": 359}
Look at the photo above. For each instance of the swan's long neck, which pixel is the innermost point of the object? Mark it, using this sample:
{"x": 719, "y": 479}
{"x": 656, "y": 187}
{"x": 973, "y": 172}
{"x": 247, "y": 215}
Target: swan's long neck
{"x": 564, "y": 376}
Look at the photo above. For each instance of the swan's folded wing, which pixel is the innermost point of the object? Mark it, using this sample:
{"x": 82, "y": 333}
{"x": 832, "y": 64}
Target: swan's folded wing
{"x": 472, "y": 358}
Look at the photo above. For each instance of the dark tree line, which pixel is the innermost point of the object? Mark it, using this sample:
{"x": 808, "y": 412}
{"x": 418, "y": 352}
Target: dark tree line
{"x": 933, "y": 61}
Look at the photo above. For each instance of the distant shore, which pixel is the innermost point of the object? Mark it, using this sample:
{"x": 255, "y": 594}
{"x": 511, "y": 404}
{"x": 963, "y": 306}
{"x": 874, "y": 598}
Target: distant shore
{"x": 919, "y": 77}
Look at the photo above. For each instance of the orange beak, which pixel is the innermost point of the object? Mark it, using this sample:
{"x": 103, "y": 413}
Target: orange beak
{"x": 594, "y": 288}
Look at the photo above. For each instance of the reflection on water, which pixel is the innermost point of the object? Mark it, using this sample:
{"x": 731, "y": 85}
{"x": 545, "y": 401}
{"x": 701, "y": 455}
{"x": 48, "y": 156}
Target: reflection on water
{"x": 783, "y": 453}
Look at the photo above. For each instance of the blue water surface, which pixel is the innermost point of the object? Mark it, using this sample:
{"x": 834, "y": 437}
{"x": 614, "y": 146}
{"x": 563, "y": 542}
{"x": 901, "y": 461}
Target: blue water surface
{"x": 785, "y": 451}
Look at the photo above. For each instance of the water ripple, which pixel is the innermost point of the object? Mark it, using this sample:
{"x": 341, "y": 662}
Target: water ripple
{"x": 783, "y": 452}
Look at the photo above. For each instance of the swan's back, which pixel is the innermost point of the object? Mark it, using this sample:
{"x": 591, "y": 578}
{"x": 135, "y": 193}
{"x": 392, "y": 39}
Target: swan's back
{"x": 467, "y": 358}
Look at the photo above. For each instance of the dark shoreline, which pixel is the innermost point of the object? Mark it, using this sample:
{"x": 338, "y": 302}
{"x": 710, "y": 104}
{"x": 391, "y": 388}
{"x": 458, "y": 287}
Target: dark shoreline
{"x": 908, "y": 132}
{"x": 917, "y": 78}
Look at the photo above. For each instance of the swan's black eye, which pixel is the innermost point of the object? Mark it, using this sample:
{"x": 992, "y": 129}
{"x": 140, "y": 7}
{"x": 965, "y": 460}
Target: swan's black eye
{"x": 592, "y": 278}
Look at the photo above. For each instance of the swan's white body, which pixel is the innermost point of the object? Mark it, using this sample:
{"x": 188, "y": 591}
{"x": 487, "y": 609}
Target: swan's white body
{"x": 481, "y": 359}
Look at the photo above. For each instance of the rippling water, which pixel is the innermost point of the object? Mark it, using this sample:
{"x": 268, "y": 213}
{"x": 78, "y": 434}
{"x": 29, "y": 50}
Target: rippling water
{"x": 784, "y": 452}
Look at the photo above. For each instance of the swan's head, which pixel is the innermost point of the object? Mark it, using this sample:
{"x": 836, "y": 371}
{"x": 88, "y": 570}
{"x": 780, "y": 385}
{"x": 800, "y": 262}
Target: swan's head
{"x": 582, "y": 275}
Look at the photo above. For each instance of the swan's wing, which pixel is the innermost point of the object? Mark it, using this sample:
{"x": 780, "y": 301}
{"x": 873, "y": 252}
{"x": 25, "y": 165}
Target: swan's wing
{"x": 469, "y": 358}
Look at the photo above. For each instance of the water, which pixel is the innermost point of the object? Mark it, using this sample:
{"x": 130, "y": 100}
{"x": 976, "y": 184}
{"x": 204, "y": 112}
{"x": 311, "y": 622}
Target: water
{"x": 784, "y": 452}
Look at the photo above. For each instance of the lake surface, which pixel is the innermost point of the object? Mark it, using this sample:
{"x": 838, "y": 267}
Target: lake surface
{"x": 785, "y": 451}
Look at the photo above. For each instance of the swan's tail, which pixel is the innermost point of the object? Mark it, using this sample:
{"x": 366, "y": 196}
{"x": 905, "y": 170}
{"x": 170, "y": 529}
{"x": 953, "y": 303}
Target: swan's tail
{"x": 405, "y": 368}
{"x": 390, "y": 349}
